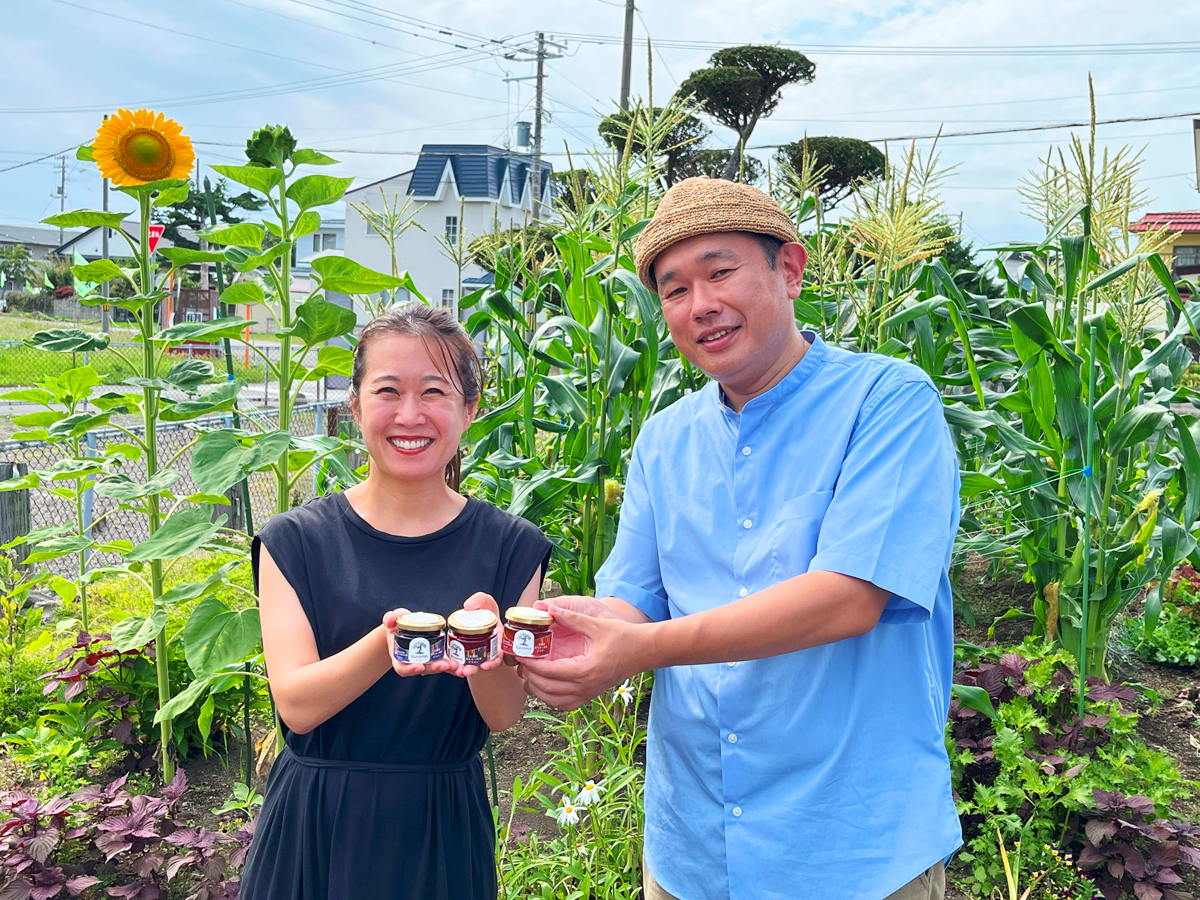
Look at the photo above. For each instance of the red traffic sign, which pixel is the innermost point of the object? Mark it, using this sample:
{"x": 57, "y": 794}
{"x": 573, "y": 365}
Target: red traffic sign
{"x": 156, "y": 232}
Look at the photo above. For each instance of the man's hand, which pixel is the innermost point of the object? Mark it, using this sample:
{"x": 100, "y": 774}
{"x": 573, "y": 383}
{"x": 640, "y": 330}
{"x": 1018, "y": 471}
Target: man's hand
{"x": 593, "y": 650}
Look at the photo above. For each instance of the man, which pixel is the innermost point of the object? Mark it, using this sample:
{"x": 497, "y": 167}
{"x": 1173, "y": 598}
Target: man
{"x": 782, "y": 562}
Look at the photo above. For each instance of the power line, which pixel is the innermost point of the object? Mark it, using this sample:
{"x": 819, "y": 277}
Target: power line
{"x": 1151, "y": 48}
{"x": 196, "y": 37}
{"x": 1061, "y": 125}
{"x": 30, "y": 162}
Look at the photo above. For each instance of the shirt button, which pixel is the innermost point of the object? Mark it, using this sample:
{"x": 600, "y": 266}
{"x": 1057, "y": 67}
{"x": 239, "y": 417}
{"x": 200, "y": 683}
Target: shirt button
{"x": 731, "y": 664}
{"x": 733, "y": 739}
{"x": 737, "y": 811}
{"x": 745, "y": 451}
{"x": 747, "y": 524}
{"x": 743, "y": 592}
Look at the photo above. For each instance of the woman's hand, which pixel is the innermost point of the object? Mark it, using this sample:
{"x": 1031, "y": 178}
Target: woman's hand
{"x": 405, "y": 669}
{"x": 478, "y": 600}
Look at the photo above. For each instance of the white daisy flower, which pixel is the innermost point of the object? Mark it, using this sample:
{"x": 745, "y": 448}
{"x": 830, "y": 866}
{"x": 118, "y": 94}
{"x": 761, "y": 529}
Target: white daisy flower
{"x": 625, "y": 693}
{"x": 567, "y": 812}
{"x": 590, "y": 793}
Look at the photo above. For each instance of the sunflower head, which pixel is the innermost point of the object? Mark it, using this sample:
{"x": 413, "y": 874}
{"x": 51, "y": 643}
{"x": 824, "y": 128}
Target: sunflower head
{"x": 133, "y": 148}
{"x": 270, "y": 146}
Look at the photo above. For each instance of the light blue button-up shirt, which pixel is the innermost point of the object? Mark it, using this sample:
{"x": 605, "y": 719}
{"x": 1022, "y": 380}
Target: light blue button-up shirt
{"x": 821, "y": 773}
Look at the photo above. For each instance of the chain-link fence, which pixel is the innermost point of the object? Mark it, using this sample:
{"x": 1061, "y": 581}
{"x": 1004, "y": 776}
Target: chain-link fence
{"x": 109, "y": 522}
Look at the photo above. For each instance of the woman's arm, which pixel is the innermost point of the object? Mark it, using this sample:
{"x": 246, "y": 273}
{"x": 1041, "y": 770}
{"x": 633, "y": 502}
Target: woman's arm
{"x": 498, "y": 689}
{"x": 309, "y": 690}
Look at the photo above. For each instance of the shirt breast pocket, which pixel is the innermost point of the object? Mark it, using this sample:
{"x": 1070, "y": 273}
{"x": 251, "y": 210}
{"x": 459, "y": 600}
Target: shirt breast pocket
{"x": 795, "y": 534}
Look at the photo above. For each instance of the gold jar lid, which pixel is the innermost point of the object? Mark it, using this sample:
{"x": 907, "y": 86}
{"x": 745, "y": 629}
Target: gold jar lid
{"x": 527, "y": 615}
{"x": 473, "y": 621}
{"x": 420, "y": 621}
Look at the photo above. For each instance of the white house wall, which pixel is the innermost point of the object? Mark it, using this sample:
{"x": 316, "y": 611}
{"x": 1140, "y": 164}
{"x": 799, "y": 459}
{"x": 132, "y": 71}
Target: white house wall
{"x": 418, "y": 252}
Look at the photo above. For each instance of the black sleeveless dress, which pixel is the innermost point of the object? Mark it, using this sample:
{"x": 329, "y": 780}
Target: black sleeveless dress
{"x": 386, "y": 800}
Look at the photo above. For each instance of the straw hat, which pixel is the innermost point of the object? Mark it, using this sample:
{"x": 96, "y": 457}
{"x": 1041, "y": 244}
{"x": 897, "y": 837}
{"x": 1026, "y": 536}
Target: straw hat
{"x": 706, "y": 205}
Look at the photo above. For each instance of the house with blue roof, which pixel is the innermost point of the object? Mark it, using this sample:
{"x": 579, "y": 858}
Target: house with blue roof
{"x": 457, "y": 190}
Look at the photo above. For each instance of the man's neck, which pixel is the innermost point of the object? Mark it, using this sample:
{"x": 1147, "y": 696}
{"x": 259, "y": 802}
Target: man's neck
{"x": 736, "y": 398}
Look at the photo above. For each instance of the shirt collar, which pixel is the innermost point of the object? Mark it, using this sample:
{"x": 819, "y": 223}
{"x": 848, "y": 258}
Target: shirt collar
{"x": 812, "y": 360}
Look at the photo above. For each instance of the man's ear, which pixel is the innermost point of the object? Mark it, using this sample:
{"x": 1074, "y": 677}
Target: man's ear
{"x": 790, "y": 261}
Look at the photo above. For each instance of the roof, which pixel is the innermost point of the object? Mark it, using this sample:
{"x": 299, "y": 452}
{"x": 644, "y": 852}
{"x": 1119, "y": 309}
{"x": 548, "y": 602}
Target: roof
{"x": 479, "y": 170}
{"x": 371, "y": 184}
{"x": 37, "y": 235}
{"x": 1187, "y": 220}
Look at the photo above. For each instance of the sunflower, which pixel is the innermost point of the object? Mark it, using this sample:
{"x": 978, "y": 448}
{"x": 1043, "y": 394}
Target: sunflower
{"x": 134, "y": 148}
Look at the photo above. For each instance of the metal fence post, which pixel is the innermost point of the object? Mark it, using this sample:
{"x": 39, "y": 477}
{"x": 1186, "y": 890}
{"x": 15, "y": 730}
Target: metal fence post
{"x": 16, "y": 519}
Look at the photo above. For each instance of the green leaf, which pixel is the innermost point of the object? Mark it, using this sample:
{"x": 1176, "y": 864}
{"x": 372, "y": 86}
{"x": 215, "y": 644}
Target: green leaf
{"x": 1033, "y": 322}
{"x": 219, "y": 398}
{"x": 244, "y": 262}
{"x": 1135, "y": 426}
{"x": 122, "y": 487}
{"x": 78, "y": 425}
{"x": 78, "y": 382}
{"x": 192, "y": 590}
{"x": 69, "y": 469}
{"x": 243, "y": 292}
{"x": 318, "y": 320}
{"x": 332, "y": 361}
{"x": 171, "y": 196}
{"x": 184, "y": 256}
{"x": 21, "y": 482}
{"x": 97, "y": 272}
{"x": 317, "y": 190}
{"x": 566, "y": 396}
{"x": 40, "y": 396}
{"x": 261, "y": 178}
{"x": 306, "y": 223}
{"x": 216, "y": 636}
{"x": 243, "y": 234}
{"x": 68, "y": 340}
{"x": 916, "y": 311}
{"x": 41, "y": 419}
{"x": 189, "y": 374}
{"x": 135, "y": 632}
{"x": 345, "y": 276}
{"x": 183, "y": 533}
{"x": 976, "y": 698}
{"x": 220, "y": 459}
{"x": 221, "y": 327}
{"x": 1191, "y": 472}
{"x": 306, "y": 157}
{"x": 184, "y": 700}
{"x": 87, "y": 218}
{"x": 84, "y": 153}
{"x": 1116, "y": 271}
{"x": 976, "y": 483}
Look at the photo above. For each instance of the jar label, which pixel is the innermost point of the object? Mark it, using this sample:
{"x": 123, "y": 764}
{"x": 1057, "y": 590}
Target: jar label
{"x": 523, "y": 643}
{"x": 457, "y": 653}
{"x": 494, "y": 647}
{"x": 418, "y": 650}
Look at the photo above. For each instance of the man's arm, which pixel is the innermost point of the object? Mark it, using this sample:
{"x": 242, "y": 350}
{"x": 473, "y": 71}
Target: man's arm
{"x": 607, "y": 641}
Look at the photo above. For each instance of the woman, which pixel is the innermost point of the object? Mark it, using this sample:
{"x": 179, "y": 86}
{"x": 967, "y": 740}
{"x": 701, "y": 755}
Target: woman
{"x": 380, "y": 793}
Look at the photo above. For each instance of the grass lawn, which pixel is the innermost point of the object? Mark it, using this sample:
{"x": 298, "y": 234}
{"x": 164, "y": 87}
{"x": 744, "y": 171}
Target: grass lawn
{"x": 18, "y": 326}
{"x": 28, "y": 365}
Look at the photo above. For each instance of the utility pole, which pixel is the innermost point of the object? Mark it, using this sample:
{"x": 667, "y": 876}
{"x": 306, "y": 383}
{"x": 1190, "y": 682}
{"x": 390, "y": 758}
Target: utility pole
{"x": 61, "y": 194}
{"x": 627, "y": 56}
{"x": 535, "y": 169}
{"x": 535, "y": 174}
{"x": 104, "y": 310}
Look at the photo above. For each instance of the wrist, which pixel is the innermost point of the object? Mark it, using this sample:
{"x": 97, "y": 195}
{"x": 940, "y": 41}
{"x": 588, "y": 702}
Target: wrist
{"x": 645, "y": 647}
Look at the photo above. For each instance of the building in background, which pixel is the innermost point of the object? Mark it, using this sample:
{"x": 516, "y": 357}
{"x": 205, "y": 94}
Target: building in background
{"x": 1184, "y": 253}
{"x": 457, "y": 190}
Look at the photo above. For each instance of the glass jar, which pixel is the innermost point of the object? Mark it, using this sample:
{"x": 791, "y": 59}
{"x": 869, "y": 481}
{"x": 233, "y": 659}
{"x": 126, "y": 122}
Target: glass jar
{"x": 527, "y": 632}
{"x": 420, "y": 637}
{"x": 471, "y": 636}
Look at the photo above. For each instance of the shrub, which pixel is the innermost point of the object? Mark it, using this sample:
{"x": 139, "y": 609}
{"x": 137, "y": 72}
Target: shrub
{"x": 1176, "y": 640}
{"x": 105, "y": 836}
{"x": 23, "y": 301}
{"x": 1032, "y": 768}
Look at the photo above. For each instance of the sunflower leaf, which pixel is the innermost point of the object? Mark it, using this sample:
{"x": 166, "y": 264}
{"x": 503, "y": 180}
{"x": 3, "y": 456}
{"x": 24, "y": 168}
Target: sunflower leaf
{"x": 86, "y": 218}
{"x": 244, "y": 234}
{"x": 257, "y": 177}
{"x": 85, "y": 153}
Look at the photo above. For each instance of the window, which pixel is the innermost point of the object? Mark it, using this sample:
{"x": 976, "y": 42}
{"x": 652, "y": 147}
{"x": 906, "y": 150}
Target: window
{"x": 316, "y": 243}
{"x": 1187, "y": 256}
{"x": 452, "y": 229}
{"x": 329, "y": 242}
{"x": 448, "y": 297}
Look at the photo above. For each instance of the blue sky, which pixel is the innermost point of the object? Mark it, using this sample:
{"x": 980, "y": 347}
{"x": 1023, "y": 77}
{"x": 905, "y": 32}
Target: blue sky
{"x": 354, "y": 75}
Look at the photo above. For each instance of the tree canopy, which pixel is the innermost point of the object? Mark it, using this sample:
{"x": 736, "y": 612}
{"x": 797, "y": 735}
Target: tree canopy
{"x": 678, "y": 148}
{"x": 744, "y": 84}
{"x": 847, "y": 162}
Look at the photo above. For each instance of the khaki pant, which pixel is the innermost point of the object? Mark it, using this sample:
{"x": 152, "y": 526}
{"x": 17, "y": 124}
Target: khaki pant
{"x": 929, "y": 885}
